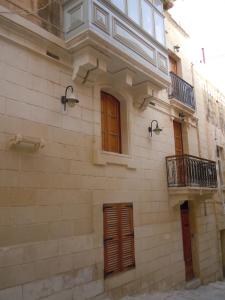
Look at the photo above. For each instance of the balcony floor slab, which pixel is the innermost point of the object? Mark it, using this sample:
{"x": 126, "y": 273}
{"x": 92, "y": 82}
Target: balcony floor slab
{"x": 178, "y": 195}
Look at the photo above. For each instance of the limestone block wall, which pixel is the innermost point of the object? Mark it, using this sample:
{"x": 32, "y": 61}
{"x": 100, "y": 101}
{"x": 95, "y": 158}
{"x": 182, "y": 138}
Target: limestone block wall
{"x": 51, "y": 239}
{"x": 175, "y": 35}
{"x": 51, "y": 219}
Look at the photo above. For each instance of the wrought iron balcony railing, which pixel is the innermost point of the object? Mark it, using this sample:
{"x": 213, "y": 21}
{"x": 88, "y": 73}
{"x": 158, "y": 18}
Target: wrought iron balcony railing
{"x": 190, "y": 171}
{"x": 182, "y": 91}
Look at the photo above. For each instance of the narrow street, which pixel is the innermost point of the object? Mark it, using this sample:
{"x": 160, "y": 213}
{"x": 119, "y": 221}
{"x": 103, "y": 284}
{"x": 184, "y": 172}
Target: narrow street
{"x": 213, "y": 291}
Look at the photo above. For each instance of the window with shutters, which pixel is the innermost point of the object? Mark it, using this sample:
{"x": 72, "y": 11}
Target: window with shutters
{"x": 111, "y": 126}
{"x": 119, "y": 253}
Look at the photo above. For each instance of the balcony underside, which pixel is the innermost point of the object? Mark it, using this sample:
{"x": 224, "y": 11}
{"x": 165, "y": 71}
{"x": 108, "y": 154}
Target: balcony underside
{"x": 179, "y": 106}
{"x": 118, "y": 58}
{"x": 178, "y": 195}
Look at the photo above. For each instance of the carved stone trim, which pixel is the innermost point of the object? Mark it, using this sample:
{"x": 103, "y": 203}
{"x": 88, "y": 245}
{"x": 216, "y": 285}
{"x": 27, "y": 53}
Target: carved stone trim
{"x": 100, "y": 18}
{"x": 76, "y": 17}
{"x": 88, "y": 65}
{"x": 142, "y": 94}
{"x": 162, "y": 63}
{"x": 132, "y": 41}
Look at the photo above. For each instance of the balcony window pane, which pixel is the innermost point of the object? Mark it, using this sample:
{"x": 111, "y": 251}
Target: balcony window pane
{"x": 147, "y": 17}
{"x": 159, "y": 28}
{"x": 159, "y": 5}
{"x": 120, "y": 4}
{"x": 133, "y": 10}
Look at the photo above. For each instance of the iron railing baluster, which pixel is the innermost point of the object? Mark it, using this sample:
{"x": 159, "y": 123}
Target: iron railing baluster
{"x": 182, "y": 91}
{"x": 188, "y": 170}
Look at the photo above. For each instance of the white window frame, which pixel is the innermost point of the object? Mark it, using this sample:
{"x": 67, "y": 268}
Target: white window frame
{"x": 140, "y": 24}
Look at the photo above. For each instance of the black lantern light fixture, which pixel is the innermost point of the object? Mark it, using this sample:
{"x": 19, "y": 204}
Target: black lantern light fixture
{"x": 156, "y": 130}
{"x": 176, "y": 48}
{"x": 182, "y": 116}
{"x": 70, "y": 100}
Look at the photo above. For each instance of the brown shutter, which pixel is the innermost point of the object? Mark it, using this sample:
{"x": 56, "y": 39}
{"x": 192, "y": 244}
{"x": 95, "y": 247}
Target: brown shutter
{"x": 111, "y": 129}
{"x": 118, "y": 238}
{"x": 127, "y": 236}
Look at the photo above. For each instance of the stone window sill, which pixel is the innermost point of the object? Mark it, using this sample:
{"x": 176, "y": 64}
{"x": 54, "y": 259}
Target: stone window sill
{"x": 103, "y": 158}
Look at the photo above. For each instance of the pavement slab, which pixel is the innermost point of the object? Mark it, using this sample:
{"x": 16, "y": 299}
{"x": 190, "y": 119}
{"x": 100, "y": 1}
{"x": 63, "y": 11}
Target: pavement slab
{"x": 212, "y": 291}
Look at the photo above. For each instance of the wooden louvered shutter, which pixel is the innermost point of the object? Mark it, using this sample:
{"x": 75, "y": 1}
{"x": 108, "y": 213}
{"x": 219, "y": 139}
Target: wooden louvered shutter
{"x": 111, "y": 129}
{"x": 118, "y": 238}
{"x": 127, "y": 236}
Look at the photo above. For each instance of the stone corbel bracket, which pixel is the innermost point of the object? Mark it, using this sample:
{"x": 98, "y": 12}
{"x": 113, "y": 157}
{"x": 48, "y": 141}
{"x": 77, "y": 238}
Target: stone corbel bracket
{"x": 20, "y": 141}
{"x": 88, "y": 65}
{"x": 142, "y": 94}
{"x": 123, "y": 77}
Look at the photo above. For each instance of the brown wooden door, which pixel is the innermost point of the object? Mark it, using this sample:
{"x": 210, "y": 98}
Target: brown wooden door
{"x": 177, "y": 127}
{"x": 186, "y": 233}
{"x": 180, "y": 163}
{"x": 173, "y": 65}
{"x": 111, "y": 131}
{"x": 223, "y": 250}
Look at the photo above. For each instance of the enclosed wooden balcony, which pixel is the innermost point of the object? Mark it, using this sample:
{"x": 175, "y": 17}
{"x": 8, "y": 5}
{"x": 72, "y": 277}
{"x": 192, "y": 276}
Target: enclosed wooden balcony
{"x": 190, "y": 177}
{"x": 182, "y": 92}
{"x": 114, "y": 36}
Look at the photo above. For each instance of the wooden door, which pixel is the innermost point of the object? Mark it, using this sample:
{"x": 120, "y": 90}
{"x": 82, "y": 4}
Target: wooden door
{"x": 111, "y": 129}
{"x": 180, "y": 163}
{"x": 173, "y": 65}
{"x": 223, "y": 250}
{"x": 177, "y": 127}
{"x": 187, "y": 248}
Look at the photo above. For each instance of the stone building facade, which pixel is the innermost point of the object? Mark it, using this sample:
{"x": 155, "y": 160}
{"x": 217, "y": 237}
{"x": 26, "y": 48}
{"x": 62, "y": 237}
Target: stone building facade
{"x": 58, "y": 175}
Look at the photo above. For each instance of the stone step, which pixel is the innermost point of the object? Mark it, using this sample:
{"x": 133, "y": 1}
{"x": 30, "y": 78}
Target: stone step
{"x": 103, "y": 296}
{"x": 193, "y": 284}
{"x": 218, "y": 285}
{"x": 212, "y": 291}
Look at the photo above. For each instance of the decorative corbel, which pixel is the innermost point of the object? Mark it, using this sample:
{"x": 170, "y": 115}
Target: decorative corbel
{"x": 88, "y": 65}
{"x": 142, "y": 94}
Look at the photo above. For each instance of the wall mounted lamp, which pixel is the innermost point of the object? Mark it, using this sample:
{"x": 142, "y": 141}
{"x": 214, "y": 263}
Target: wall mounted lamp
{"x": 176, "y": 48}
{"x": 70, "y": 100}
{"x": 156, "y": 130}
{"x": 181, "y": 116}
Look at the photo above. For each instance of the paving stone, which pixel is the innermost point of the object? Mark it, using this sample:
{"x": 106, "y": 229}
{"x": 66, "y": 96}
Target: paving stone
{"x": 212, "y": 291}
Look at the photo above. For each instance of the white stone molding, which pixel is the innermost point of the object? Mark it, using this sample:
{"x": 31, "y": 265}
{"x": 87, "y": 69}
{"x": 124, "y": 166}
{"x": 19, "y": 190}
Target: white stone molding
{"x": 101, "y": 157}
